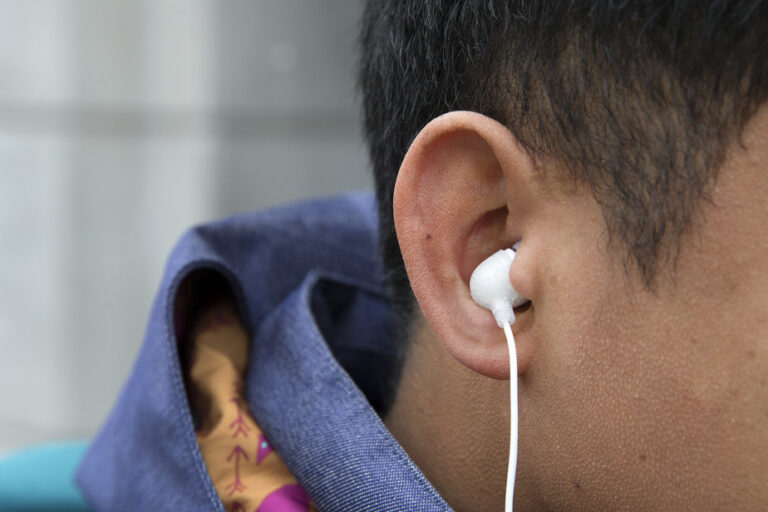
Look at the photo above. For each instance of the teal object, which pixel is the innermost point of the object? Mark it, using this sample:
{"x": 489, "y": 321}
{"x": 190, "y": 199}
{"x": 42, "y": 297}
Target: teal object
{"x": 42, "y": 478}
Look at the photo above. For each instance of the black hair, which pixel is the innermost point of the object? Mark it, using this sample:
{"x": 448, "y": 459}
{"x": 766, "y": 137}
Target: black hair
{"x": 638, "y": 99}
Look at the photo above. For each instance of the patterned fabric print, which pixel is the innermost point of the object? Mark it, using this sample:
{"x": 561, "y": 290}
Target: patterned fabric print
{"x": 248, "y": 475}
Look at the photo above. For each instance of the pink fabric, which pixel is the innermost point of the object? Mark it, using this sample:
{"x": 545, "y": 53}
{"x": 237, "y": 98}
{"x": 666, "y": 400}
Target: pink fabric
{"x": 289, "y": 498}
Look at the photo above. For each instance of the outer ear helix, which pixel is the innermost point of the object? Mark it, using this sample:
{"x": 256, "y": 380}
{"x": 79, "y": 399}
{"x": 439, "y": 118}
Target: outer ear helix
{"x": 451, "y": 208}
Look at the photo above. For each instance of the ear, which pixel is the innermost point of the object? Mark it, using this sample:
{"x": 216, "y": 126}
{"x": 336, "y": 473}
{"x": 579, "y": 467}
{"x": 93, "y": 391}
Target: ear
{"x": 466, "y": 189}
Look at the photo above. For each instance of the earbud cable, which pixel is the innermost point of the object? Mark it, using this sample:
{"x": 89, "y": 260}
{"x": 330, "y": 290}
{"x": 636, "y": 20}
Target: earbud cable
{"x": 512, "y": 468}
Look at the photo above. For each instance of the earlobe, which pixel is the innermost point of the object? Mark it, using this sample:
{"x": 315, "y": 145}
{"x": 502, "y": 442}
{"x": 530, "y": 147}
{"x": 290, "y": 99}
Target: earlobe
{"x": 464, "y": 190}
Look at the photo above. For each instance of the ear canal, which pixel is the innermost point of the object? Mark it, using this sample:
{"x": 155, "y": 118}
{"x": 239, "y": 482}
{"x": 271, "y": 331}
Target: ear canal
{"x": 490, "y": 287}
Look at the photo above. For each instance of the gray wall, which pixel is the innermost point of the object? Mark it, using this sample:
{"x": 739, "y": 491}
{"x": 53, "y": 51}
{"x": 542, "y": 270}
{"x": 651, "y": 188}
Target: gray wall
{"x": 122, "y": 123}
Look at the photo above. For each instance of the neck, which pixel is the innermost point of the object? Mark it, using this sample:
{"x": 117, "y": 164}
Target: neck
{"x": 453, "y": 423}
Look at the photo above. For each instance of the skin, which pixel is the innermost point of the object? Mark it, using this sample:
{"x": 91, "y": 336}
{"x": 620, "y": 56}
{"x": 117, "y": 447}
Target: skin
{"x": 629, "y": 399}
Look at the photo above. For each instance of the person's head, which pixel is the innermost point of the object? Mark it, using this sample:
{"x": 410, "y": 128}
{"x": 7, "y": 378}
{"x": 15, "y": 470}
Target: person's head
{"x": 625, "y": 144}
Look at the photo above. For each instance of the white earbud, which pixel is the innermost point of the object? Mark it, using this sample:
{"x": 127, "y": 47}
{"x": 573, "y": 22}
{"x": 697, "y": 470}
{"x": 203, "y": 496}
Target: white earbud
{"x": 491, "y": 289}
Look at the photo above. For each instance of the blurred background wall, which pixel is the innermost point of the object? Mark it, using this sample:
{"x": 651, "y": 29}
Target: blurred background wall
{"x": 121, "y": 124}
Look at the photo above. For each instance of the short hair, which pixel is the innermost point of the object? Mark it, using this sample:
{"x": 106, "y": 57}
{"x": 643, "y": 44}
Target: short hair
{"x": 637, "y": 99}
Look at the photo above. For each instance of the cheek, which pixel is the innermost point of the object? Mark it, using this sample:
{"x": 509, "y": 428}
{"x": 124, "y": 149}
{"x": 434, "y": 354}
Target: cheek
{"x": 610, "y": 400}
{"x": 631, "y": 402}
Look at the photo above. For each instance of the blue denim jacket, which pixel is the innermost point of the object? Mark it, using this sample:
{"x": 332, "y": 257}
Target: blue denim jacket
{"x": 309, "y": 288}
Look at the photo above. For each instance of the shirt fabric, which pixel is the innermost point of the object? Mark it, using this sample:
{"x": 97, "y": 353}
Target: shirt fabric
{"x": 246, "y": 472}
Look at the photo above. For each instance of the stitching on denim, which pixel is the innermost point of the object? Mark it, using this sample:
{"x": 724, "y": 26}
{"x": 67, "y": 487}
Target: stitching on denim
{"x": 418, "y": 478}
{"x": 379, "y": 430}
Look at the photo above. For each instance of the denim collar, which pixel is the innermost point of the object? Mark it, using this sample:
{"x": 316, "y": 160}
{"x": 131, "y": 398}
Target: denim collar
{"x": 309, "y": 287}
{"x": 321, "y": 423}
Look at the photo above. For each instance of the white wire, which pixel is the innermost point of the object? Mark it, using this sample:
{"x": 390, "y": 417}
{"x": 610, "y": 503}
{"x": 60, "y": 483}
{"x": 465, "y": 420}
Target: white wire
{"x": 512, "y": 467}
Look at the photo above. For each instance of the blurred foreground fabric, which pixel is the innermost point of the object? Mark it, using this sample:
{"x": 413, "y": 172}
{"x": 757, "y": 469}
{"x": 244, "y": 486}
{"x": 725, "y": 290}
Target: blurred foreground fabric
{"x": 42, "y": 478}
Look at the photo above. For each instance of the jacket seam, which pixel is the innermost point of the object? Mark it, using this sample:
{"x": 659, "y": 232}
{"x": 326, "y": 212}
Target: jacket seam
{"x": 379, "y": 428}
